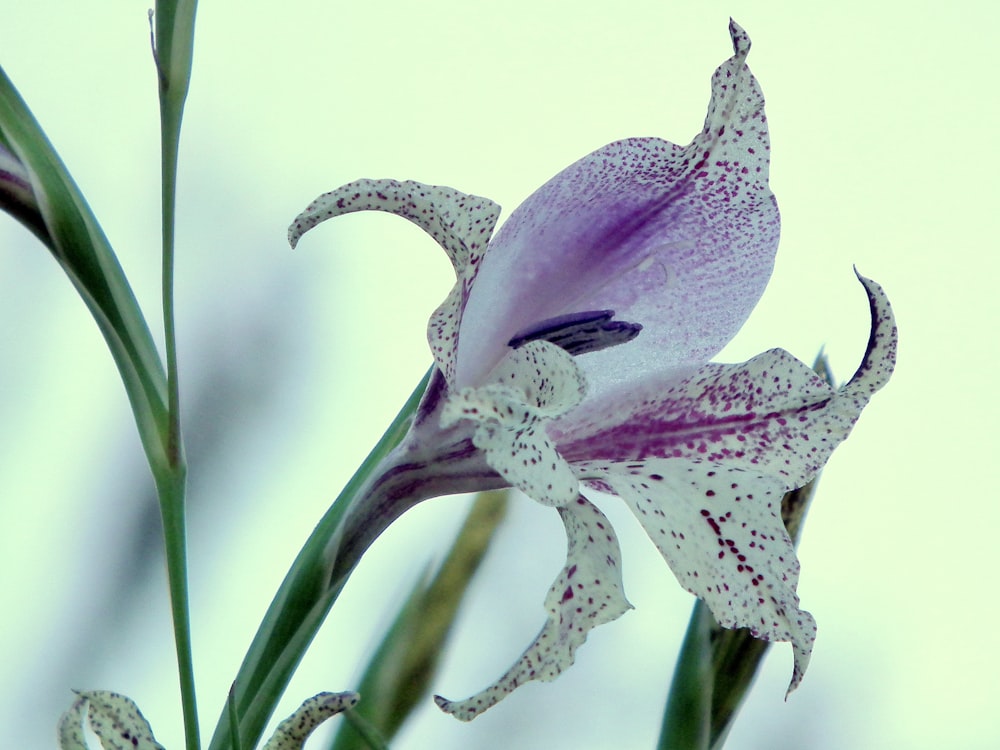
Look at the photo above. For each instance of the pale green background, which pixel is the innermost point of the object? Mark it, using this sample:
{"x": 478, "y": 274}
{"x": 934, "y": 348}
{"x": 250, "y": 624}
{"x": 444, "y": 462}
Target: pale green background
{"x": 884, "y": 126}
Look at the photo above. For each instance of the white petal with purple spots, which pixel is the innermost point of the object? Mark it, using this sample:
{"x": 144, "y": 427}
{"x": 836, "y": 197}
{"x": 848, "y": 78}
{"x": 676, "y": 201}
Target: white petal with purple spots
{"x": 532, "y": 385}
{"x": 460, "y": 223}
{"x": 720, "y": 531}
{"x": 587, "y": 593}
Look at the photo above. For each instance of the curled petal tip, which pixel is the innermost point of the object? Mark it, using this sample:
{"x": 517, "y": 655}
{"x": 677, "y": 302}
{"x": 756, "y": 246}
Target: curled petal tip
{"x": 741, "y": 40}
{"x": 880, "y": 355}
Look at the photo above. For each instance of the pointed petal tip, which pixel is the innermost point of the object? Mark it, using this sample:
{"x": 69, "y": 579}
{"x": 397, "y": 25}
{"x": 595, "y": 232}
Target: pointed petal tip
{"x": 455, "y": 709}
{"x": 803, "y": 638}
{"x": 879, "y": 360}
{"x": 741, "y": 40}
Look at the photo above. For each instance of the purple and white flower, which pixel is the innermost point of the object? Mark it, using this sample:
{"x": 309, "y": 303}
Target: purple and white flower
{"x": 573, "y": 357}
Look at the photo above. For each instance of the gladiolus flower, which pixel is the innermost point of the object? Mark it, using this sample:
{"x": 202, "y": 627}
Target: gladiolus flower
{"x": 573, "y": 356}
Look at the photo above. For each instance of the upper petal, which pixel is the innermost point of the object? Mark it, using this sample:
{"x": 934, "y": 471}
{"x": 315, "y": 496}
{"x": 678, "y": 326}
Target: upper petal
{"x": 460, "y": 223}
{"x": 679, "y": 240}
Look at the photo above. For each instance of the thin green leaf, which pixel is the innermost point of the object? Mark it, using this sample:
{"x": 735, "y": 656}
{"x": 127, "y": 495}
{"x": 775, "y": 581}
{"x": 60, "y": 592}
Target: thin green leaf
{"x": 75, "y": 238}
{"x": 234, "y": 721}
{"x": 687, "y": 719}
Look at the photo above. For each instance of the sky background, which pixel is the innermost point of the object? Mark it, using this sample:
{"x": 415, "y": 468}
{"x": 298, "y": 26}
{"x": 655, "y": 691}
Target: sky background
{"x": 883, "y": 124}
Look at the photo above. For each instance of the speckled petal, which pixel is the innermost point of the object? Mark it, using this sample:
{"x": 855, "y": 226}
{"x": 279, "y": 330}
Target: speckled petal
{"x": 772, "y": 414}
{"x": 293, "y": 732}
{"x": 70, "y": 729}
{"x": 720, "y": 530}
{"x": 679, "y": 240}
{"x": 587, "y": 593}
{"x": 114, "y": 719}
{"x": 460, "y": 223}
{"x": 880, "y": 356}
{"x": 532, "y": 385}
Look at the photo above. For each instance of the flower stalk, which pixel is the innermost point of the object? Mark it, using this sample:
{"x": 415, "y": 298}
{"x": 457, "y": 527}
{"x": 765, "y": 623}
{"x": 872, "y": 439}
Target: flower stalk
{"x": 173, "y": 40}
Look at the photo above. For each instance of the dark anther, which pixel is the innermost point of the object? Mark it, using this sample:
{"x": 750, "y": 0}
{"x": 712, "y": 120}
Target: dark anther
{"x": 579, "y": 333}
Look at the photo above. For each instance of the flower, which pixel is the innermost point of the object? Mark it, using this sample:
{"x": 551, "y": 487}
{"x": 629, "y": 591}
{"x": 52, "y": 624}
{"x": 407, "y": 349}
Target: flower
{"x": 573, "y": 356}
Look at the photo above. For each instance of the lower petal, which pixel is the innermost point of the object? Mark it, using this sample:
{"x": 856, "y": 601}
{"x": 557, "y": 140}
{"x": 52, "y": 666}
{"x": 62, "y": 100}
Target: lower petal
{"x": 587, "y": 593}
{"x": 720, "y": 531}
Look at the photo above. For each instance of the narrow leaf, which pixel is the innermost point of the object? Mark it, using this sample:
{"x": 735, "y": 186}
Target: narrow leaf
{"x": 73, "y": 235}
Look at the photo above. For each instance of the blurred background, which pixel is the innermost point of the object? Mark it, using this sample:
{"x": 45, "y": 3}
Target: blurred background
{"x": 883, "y": 121}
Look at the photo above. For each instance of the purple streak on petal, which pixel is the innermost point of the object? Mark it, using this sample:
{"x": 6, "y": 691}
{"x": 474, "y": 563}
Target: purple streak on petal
{"x": 680, "y": 240}
{"x": 760, "y": 414}
{"x": 579, "y": 333}
{"x": 771, "y": 414}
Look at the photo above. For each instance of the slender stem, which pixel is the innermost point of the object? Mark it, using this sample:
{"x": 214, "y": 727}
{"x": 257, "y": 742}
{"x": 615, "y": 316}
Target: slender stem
{"x": 172, "y": 511}
{"x": 171, "y": 488}
{"x": 170, "y": 129}
{"x": 173, "y": 40}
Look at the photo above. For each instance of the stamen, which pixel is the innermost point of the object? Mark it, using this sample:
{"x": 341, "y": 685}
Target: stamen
{"x": 579, "y": 333}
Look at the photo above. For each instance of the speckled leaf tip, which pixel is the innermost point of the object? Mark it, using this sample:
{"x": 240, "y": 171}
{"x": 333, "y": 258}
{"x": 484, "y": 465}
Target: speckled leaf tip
{"x": 293, "y": 732}
{"x": 114, "y": 719}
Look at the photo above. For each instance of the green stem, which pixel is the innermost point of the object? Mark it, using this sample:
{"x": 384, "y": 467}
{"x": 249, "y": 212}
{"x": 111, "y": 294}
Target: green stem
{"x": 170, "y": 134}
{"x": 174, "y": 41}
{"x": 171, "y": 488}
{"x": 172, "y": 511}
{"x": 301, "y": 604}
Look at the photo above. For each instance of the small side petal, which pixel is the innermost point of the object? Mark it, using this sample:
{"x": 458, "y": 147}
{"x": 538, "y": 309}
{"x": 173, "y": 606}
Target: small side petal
{"x": 293, "y": 732}
{"x": 460, "y": 223}
{"x": 720, "y": 531}
{"x": 532, "y": 385}
{"x": 587, "y": 593}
